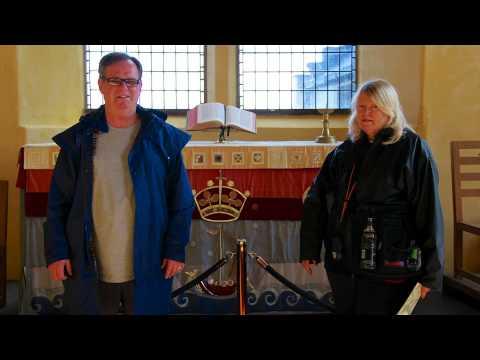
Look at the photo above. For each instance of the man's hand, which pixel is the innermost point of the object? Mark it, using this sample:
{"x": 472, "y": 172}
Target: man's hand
{"x": 424, "y": 292}
{"x": 57, "y": 269}
{"x": 171, "y": 267}
{"x": 307, "y": 265}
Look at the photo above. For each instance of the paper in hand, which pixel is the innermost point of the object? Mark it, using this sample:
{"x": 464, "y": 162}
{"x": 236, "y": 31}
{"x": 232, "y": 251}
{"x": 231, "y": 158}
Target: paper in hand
{"x": 412, "y": 300}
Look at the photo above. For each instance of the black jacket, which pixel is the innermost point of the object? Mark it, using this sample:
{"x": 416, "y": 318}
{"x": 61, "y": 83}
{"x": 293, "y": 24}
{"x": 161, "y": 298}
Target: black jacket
{"x": 397, "y": 185}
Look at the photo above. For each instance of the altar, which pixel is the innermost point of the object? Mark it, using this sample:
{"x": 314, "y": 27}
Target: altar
{"x": 275, "y": 175}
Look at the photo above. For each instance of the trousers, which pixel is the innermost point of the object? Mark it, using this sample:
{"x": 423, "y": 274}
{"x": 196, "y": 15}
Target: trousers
{"x": 115, "y": 298}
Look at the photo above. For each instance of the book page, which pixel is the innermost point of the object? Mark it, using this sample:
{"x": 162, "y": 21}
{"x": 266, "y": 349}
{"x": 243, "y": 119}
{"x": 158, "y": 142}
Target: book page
{"x": 192, "y": 118}
{"x": 211, "y": 112}
{"x": 242, "y": 119}
{"x": 206, "y": 116}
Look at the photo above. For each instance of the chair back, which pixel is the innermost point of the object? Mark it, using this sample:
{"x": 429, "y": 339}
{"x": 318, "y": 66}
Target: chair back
{"x": 464, "y": 153}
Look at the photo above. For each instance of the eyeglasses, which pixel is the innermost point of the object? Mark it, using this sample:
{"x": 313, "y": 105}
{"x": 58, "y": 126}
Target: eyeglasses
{"x": 372, "y": 109}
{"x": 117, "y": 81}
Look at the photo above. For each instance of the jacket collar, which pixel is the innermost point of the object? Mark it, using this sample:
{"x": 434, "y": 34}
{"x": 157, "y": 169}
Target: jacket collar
{"x": 97, "y": 120}
{"x": 153, "y": 127}
{"x": 383, "y": 135}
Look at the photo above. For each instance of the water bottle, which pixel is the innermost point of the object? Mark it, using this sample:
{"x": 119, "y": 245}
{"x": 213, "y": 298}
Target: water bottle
{"x": 368, "y": 247}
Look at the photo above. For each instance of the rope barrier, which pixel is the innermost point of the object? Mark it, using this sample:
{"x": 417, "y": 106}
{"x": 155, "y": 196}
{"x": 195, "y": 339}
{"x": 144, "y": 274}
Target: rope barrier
{"x": 266, "y": 266}
{"x": 200, "y": 277}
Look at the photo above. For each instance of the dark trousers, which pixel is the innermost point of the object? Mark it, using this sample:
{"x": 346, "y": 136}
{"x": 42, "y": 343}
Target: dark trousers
{"x": 362, "y": 296}
{"x": 115, "y": 298}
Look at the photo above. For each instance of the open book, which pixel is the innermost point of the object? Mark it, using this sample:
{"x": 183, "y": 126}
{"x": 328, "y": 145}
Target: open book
{"x": 217, "y": 115}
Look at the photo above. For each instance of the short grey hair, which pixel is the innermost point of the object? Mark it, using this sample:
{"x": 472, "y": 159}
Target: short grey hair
{"x": 384, "y": 95}
{"x": 115, "y": 57}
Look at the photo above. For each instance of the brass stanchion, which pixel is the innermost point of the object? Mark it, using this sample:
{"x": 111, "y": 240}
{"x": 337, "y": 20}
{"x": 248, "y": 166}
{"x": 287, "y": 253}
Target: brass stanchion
{"x": 241, "y": 276}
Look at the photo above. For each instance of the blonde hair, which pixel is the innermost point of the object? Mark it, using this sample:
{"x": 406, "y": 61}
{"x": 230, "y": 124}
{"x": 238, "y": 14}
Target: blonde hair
{"x": 384, "y": 95}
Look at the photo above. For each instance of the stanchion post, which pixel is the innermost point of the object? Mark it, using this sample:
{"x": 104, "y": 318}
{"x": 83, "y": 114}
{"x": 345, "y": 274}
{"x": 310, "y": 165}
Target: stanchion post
{"x": 241, "y": 276}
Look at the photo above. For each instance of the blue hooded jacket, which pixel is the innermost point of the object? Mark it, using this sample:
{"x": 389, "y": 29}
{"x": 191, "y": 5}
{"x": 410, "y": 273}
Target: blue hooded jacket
{"x": 164, "y": 205}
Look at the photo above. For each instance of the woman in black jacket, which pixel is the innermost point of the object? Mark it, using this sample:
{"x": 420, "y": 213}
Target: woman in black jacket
{"x": 384, "y": 175}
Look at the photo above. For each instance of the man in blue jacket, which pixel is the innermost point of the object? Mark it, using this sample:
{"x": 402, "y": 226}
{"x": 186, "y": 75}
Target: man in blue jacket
{"x": 120, "y": 203}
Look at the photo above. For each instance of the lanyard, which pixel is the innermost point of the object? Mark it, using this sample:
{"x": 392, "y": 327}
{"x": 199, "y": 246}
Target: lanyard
{"x": 348, "y": 194}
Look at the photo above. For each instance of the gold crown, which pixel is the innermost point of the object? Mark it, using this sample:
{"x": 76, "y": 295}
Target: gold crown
{"x": 220, "y": 203}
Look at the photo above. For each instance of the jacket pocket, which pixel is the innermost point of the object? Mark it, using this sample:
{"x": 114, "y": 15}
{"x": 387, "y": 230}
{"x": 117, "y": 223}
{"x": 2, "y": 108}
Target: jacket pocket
{"x": 397, "y": 245}
{"x": 393, "y": 238}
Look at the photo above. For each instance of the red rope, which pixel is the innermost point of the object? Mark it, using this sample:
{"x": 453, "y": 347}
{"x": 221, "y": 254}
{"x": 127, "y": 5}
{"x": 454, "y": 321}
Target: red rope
{"x": 348, "y": 195}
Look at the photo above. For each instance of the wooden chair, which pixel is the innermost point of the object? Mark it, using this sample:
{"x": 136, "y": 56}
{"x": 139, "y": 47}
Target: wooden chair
{"x": 460, "y": 226}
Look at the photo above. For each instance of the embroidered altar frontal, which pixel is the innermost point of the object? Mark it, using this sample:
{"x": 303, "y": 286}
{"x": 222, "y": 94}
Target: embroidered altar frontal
{"x": 269, "y": 170}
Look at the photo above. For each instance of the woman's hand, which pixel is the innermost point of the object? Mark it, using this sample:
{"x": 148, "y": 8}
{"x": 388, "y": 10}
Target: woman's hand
{"x": 424, "y": 292}
{"x": 307, "y": 265}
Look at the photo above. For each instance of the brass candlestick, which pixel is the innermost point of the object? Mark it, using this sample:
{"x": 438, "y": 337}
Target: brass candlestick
{"x": 325, "y": 138}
